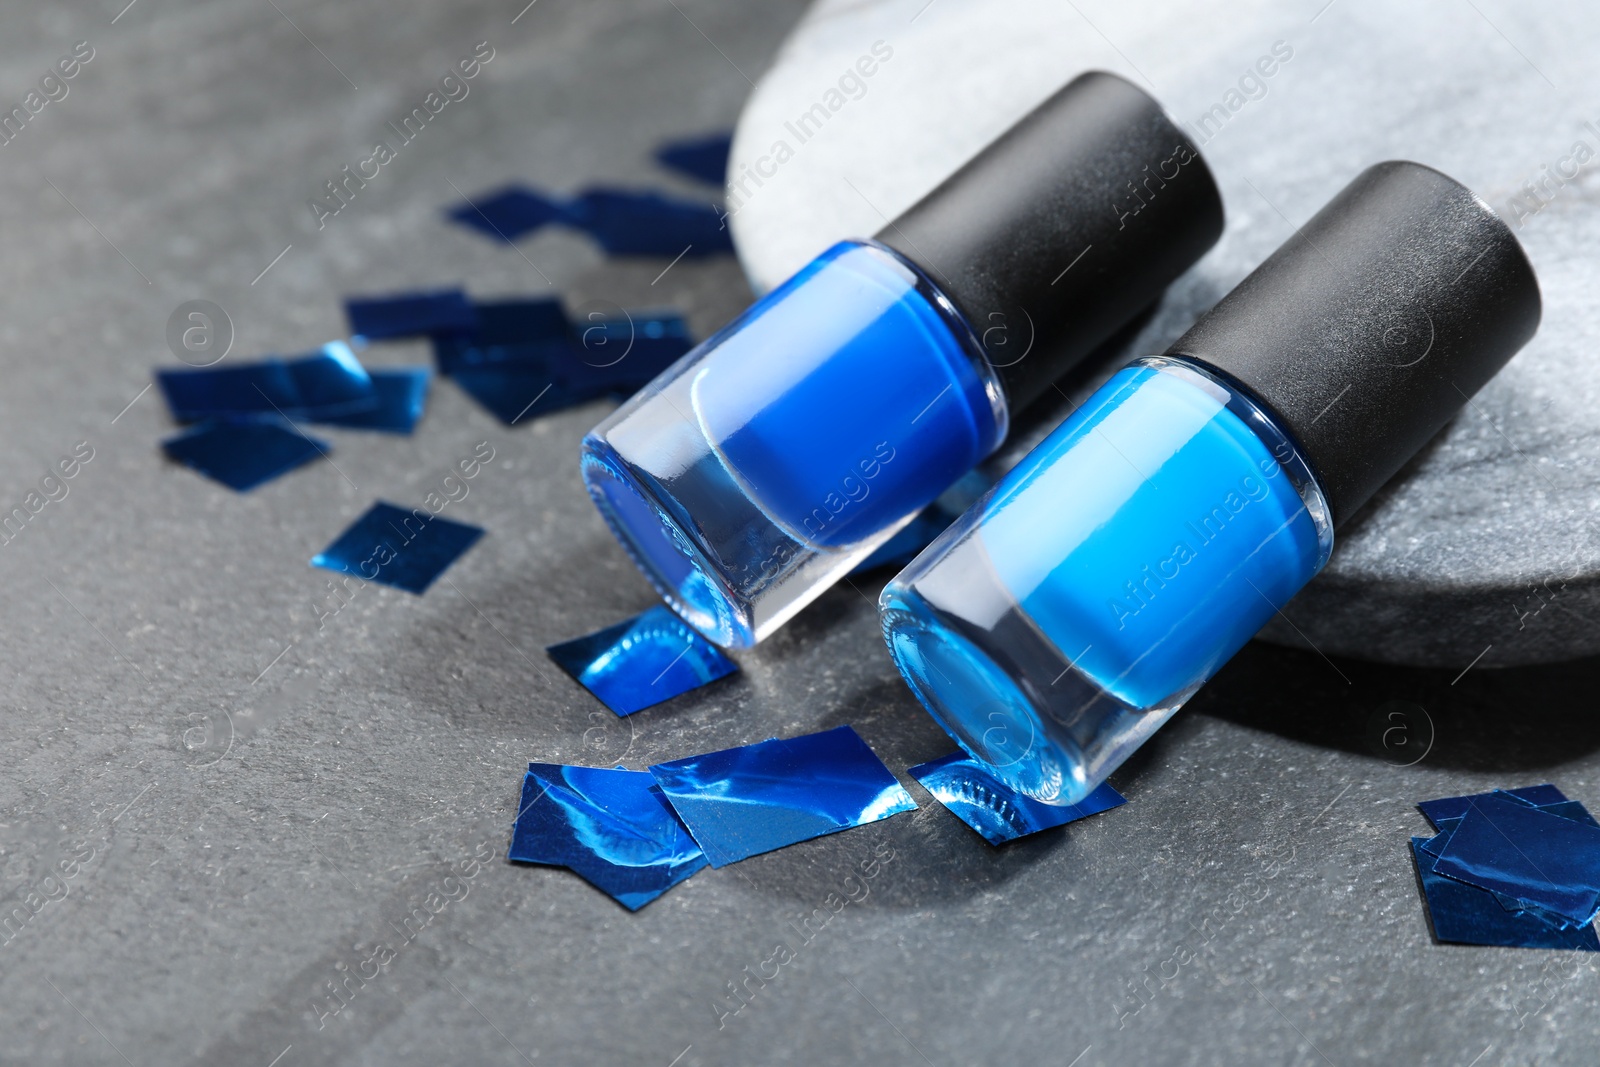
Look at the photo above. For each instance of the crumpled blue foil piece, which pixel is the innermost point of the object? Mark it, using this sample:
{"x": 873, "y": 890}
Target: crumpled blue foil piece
{"x": 402, "y": 395}
{"x": 976, "y": 797}
{"x": 422, "y": 314}
{"x": 649, "y": 224}
{"x": 704, "y": 158}
{"x": 405, "y": 549}
{"x": 1529, "y": 855}
{"x": 242, "y": 453}
{"x": 509, "y": 212}
{"x": 642, "y": 661}
{"x": 612, "y": 827}
{"x": 330, "y": 382}
{"x": 743, "y": 801}
{"x": 1468, "y": 915}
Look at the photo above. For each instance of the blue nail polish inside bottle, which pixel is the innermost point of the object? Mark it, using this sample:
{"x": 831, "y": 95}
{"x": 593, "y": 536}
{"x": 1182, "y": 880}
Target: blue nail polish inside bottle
{"x": 834, "y": 409}
{"x": 1075, "y": 608}
{"x": 1108, "y": 575}
{"x": 775, "y": 457}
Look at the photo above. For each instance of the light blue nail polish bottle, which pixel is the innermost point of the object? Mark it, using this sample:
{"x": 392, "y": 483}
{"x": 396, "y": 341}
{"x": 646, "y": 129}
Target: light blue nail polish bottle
{"x": 1070, "y": 613}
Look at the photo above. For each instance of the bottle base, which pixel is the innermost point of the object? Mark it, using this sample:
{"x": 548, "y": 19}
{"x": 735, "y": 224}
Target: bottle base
{"x": 1013, "y": 701}
{"x": 665, "y": 553}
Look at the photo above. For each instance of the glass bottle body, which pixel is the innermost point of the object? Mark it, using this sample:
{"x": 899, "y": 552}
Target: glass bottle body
{"x": 781, "y": 452}
{"x": 1075, "y": 608}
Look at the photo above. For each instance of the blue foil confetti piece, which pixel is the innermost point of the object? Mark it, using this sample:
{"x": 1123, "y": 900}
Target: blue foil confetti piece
{"x": 405, "y": 549}
{"x": 1571, "y": 809}
{"x": 743, "y": 801}
{"x": 611, "y": 827}
{"x": 508, "y": 213}
{"x": 531, "y": 335}
{"x": 1530, "y": 855}
{"x": 526, "y": 359}
{"x": 976, "y": 797}
{"x": 1455, "y": 807}
{"x": 649, "y": 224}
{"x": 512, "y": 396}
{"x": 624, "y": 222}
{"x": 642, "y": 661}
{"x": 378, "y": 318}
{"x": 705, "y": 158}
{"x": 327, "y": 383}
{"x": 1468, "y": 915}
{"x": 243, "y": 453}
{"x": 402, "y": 394}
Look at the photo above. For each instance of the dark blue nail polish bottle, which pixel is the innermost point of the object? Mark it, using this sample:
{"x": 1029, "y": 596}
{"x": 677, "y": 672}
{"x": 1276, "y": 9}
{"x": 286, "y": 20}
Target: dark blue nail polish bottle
{"x": 1070, "y": 612}
{"x": 780, "y": 453}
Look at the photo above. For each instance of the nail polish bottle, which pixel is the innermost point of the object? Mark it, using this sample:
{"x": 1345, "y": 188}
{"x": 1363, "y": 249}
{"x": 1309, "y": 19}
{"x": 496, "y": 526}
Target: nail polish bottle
{"x": 1071, "y": 611}
{"x": 776, "y": 456}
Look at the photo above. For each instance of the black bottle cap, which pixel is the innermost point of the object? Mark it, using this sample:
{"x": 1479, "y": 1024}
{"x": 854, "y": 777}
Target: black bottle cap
{"x": 1064, "y": 228}
{"x": 1375, "y": 323}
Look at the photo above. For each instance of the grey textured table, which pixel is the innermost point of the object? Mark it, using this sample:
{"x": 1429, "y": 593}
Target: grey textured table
{"x": 249, "y": 801}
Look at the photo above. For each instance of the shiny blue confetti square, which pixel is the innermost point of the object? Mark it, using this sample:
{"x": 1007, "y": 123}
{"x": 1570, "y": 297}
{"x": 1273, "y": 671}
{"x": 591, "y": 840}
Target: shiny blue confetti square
{"x": 514, "y": 396}
{"x": 529, "y": 361}
{"x": 1467, "y": 915}
{"x": 611, "y": 827}
{"x": 1567, "y": 809}
{"x": 704, "y": 158}
{"x": 378, "y": 318}
{"x": 327, "y": 383}
{"x": 1529, "y": 855}
{"x": 976, "y": 797}
{"x": 620, "y": 356}
{"x": 526, "y": 335}
{"x": 649, "y": 224}
{"x": 743, "y": 801}
{"x": 242, "y": 453}
{"x": 402, "y": 394}
{"x": 405, "y": 549}
{"x": 642, "y": 661}
{"x": 1445, "y": 808}
{"x": 508, "y": 213}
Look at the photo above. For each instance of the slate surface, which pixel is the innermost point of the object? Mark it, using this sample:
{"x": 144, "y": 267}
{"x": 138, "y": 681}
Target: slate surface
{"x": 1490, "y": 543}
{"x": 251, "y": 802}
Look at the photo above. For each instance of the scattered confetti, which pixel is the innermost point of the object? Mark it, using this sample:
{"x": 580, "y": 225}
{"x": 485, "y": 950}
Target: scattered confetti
{"x": 624, "y": 222}
{"x": 612, "y": 827}
{"x": 744, "y": 801}
{"x": 405, "y": 549}
{"x": 326, "y": 384}
{"x": 402, "y": 394}
{"x": 642, "y": 661}
{"x": 242, "y": 453}
{"x": 704, "y": 158}
{"x": 1517, "y": 868}
{"x": 379, "y": 318}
